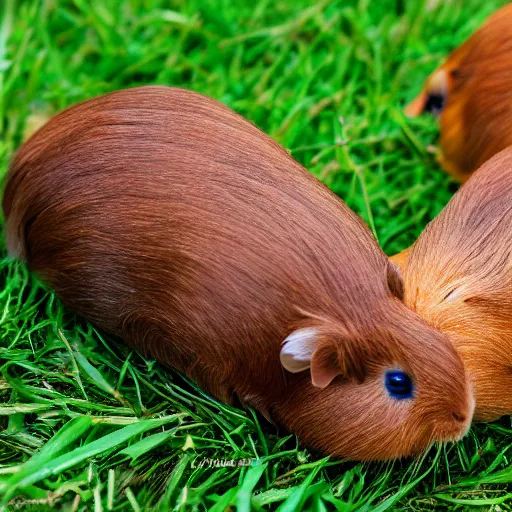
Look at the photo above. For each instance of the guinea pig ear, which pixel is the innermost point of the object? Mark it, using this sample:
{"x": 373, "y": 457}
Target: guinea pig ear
{"x": 298, "y": 349}
{"x": 325, "y": 366}
{"x": 326, "y": 352}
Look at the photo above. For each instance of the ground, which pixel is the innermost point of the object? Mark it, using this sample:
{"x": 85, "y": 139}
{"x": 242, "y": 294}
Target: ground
{"x": 86, "y": 424}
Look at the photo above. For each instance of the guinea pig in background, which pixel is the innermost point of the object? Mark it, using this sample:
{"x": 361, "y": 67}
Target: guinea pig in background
{"x": 458, "y": 277}
{"x": 170, "y": 221}
{"x": 471, "y": 92}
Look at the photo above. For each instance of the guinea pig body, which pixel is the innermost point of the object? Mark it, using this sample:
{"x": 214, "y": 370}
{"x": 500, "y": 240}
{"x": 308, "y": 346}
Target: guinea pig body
{"x": 458, "y": 277}
{"x": 168, "y": 220}
{"x": 471, "y": 92}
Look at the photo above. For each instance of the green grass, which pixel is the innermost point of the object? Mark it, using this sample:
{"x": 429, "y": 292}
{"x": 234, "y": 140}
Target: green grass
{"x": 87, "y": 425}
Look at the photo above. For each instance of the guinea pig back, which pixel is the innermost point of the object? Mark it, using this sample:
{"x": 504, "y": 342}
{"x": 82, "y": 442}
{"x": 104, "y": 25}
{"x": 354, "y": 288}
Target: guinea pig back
{"x": 458, "y": 277}
{"x": 170, "y": 221}
{"x": 471, "y": 92}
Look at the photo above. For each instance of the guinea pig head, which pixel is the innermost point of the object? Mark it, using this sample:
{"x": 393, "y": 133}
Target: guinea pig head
{"x": 458, "y": 278}
{"x": 471, "y": 94}
{"x": 380, "y": 390}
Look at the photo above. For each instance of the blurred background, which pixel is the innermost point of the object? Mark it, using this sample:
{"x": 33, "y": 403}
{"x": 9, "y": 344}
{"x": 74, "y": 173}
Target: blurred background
{"x": 327, "y": 79}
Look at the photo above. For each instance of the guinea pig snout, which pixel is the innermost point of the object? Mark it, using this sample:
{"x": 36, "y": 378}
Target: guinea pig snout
{"x": 461, "y": 426}
{"x": 459, "y": 421}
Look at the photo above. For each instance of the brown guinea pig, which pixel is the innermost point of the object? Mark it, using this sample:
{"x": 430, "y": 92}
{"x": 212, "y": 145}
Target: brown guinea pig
{"x": 458, "y": 277}
{"x": 170, "y": 221}
{"x": 472, "y": 95}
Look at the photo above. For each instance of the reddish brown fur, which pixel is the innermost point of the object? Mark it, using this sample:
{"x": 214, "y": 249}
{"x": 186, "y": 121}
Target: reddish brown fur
{"x": 476, "y": 122}
{"x": 458, "y": 277}
{"x": 170, "y": 221}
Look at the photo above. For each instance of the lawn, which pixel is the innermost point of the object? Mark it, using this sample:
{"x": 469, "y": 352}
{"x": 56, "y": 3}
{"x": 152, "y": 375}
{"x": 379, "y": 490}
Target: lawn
{"x": 85, "y": 424}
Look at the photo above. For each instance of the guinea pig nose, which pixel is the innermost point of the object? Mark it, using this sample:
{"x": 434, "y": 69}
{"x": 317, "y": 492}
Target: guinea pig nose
{"x": 459, "y": 417}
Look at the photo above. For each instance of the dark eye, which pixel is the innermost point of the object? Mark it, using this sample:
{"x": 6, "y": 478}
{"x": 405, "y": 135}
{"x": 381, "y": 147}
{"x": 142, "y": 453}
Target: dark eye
{"x": 398, "y": 385}
{"x": 435, "y": 103}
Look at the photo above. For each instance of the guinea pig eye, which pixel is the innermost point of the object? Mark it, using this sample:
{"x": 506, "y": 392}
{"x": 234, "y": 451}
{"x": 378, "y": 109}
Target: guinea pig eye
{"x": 435, "y": 103}
{"x": 398, "y": 384}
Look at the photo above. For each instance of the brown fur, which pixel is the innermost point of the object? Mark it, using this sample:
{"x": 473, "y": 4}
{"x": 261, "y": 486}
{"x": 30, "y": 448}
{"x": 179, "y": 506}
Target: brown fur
{"x": 458, "y": 277}
{"x": 476, "y": 122}
{"x": 170, "y": 221}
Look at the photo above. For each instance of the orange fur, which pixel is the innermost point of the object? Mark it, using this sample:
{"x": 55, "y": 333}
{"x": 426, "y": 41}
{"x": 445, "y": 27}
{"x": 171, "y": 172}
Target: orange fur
{"x": 476, "y": 121}
{"x": 458, "y": 277}
{"x": 170, "y": 221}
{"x": 400, "y": 259}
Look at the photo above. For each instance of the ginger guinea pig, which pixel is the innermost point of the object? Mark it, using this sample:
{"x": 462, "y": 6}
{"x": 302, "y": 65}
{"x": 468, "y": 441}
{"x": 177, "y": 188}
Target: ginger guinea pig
{"x": 170, "y": 221}
{"x": 471, "y": 92}
{"x": 458, "y": 277}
